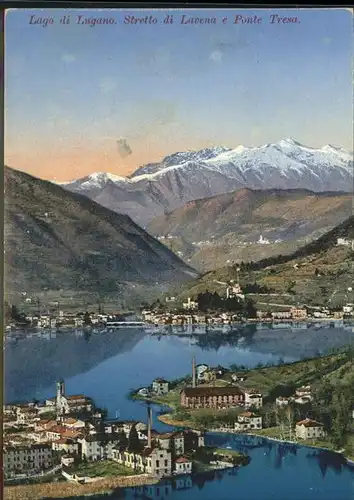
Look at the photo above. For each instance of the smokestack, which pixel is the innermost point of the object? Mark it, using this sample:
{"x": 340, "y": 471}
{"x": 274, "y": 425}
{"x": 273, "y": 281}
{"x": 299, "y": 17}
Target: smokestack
{"x": 149, "y": 426}
{"x": 193, "y": 372}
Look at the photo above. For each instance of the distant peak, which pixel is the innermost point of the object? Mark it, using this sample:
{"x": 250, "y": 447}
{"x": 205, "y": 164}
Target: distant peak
{"x": 331, "y": 147}
{"x": 105, "y": 176}
{"x": 289, "y": 142}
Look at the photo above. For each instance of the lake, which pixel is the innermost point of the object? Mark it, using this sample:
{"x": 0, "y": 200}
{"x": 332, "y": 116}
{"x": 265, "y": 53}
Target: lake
{"x": 107, "y": 365}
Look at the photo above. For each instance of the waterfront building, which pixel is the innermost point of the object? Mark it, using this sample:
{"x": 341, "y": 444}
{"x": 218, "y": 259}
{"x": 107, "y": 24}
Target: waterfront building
{"x": 248, "y": 420}
{"x": 154, "y": 461}
{"x": 160, "y": 386}
{"x": 348, "y": 308}
{"x": 27, "y": 458}
{"x": 183, "y": 466}
{"x": 309, "y": 429}
{"x": 281, "y": 315}
{"x": 298, "y": 313}
{"x": 211, "y": 397}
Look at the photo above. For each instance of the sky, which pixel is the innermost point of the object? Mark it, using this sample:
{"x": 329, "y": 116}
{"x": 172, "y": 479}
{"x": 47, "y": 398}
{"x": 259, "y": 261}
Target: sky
{"x": 111, "y": 97}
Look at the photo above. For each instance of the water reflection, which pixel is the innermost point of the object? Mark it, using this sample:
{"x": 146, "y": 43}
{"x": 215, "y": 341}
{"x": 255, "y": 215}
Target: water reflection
{"x": 329, "y": 461}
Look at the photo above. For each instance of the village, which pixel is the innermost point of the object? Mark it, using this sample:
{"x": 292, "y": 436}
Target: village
{"x": 233, "y": 307}
{"x": 66, "y": 433}
{"x": 221, "y": 400}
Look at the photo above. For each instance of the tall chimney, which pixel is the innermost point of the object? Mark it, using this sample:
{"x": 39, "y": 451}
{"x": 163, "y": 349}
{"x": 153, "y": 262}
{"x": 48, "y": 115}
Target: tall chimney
{"x": 193, "y": 372}
{"x": 149, "y": 426}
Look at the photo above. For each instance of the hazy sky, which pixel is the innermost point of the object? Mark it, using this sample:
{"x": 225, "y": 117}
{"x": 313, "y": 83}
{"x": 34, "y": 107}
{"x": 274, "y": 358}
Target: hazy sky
{"x": 72, "y": 90}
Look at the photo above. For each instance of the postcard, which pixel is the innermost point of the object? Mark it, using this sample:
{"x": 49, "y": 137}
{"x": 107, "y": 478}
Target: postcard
{"x": 179, "y": 249}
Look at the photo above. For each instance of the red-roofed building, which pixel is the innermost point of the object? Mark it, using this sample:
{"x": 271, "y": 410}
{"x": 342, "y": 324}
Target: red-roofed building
{"x": 212, "y": 397}
{"x": 309, "y": 429}
{"x": 183, "y": 465}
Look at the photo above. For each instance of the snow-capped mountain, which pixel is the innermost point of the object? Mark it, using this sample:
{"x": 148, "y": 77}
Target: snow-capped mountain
{"x": 97, "y": 180}
{"x": 158, "y": 188}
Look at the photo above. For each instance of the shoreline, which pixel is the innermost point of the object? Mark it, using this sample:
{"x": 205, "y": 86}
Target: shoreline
{"x": 177, "y": 423}
{"x": 66, "y": 489}
{"x": 64, "y": 329}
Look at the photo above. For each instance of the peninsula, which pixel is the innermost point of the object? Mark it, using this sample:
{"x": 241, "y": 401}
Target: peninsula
{"x": 309, "y": 401}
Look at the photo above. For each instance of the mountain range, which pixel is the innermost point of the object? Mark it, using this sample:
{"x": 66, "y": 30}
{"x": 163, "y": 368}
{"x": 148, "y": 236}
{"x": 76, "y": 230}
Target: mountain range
{"x": 212, "y": 231}
{"x": 159, "y": 188}
{"x": 56, "y": 240}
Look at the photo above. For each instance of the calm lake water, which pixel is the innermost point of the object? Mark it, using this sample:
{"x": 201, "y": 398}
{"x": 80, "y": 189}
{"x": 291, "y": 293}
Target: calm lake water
{"x": 106, "y": 366}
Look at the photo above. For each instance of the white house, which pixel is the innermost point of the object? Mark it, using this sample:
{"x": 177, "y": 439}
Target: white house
{"x": 200, "y": 369}
{"x": 190, "y": 304}
{"x": 347, "y": 309}
{"x": 165, "y": 441}
{"x": 253, "y": 398}
{"x": 27, "y": 458}
{"x": 248, "y": 420}
{"x": 263, "y": 241}
{"x": 309, "y": 429}
{"x": 305, "y": 390}
{"x": 234, "y": 291}
{"x": 98, "y": 446}
{"x": 183, "y": 465}
{"x": 67, "y": 460}
{"x": 160, "y": 386}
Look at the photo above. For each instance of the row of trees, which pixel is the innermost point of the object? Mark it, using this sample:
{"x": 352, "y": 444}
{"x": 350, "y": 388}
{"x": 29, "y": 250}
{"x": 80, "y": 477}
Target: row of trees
{"x": 333, "y": 405}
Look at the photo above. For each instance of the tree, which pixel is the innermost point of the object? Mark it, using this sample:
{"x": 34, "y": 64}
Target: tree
{"x": 134, "y": 444}
{"x": 14, "y": 312}
{"x": 87, "y": 318}
{"x": 341, "y": 420}
{"x": 280, "y": 421}
{"x": 289, "y": 417}
{"x": 249, "y": 309}
{"x": 123, "y": 441}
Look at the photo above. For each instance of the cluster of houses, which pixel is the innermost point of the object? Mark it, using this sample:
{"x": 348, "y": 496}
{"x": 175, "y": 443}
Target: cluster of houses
{"x": 191, "y": 316}
{"x": 63, "y": 320}
{"x": 302, "y": 396}
{"x": 218, "y": 397}
{"x": 66, "y": 429}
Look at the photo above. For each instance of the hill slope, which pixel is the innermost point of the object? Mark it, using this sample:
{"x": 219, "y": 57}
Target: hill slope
{"x": 213, "y": 230}
{"x": 155, "y": 189}
{"x": 60, "y": 240}
{"x": 320, "y": 272}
